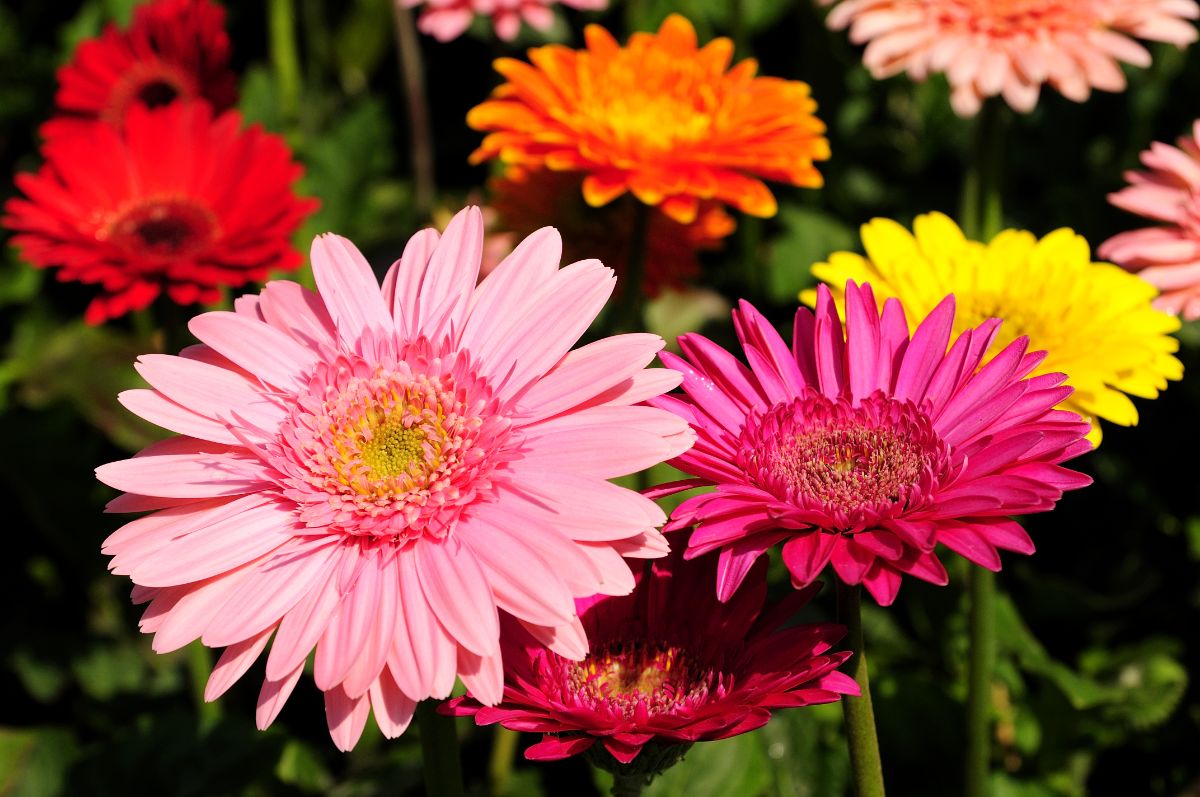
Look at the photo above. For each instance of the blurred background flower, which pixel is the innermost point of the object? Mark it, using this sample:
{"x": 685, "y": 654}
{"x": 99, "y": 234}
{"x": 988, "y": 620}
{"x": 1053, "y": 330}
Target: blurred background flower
{"x": 1167, "y": 256}
{"x": 449, "y": 19}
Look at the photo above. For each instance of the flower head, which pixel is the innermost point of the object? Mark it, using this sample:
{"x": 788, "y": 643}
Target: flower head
{"x": 173, "y": 49}
{"x": 174, "y": 202}
{"x": 1011, "y": 47}
{"x": 669, "y": 664}
{"x": 1094, "y": 321}
{"x": 661, "y": 118}
{"x": 524, "y": 200}
{"x": 1167, "y": 256}
{"x": 864, "y": 446}
{"x": 448, "y": 19}
{"x": 379, "y": 473}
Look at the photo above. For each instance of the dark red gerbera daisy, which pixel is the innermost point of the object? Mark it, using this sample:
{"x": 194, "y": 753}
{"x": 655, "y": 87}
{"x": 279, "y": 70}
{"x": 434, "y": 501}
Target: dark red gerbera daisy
{"x": 177, "y": 202}
{"x": 173, "y": 49}
{"x": 669, "y": 665}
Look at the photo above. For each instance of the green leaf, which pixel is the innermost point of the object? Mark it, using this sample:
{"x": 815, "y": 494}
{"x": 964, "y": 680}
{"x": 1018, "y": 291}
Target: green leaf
{"x": 300, "y": 766}
{"x": 717, "y": 769}
{"x": 809, "y": 236}
{"x": 34, "y": 761}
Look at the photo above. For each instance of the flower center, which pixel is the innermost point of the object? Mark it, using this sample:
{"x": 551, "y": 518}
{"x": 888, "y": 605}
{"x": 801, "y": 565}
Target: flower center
{"x": 391, "y": 450}
{"x": 157, "y": 93}
{"x": 623, "y": 676}
{"x": 854, "y": 464}
{"x": 152, "y": 83}
{"x": 162, "y": 228}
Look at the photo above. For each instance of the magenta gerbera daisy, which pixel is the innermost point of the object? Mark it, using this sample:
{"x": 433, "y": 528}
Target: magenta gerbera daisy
{"x": 862, "y": 447}
{"x": 669, "y": 666}
{"x": 381, "y": 474}
{"x": 172, "y": 50}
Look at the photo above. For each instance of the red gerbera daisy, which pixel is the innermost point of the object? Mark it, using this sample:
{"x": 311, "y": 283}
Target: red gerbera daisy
{"x": 669, "y": 665}
{"x": 177, "y": 201}
{"x": 173, "y": 49}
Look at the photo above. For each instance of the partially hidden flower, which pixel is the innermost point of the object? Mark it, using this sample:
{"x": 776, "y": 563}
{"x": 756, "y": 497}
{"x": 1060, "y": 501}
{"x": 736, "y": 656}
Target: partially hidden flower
{"x": 1095, "y": 322}
{"x": 172, "y": 50}
{"x": 669, "y": 666}
{"x": 864, "y": 446}
{"x": 448, "y": 19}
{"x": 1011, "y": 48}
{"x": 1166, "y": 256}
{"x": 525, "y": 200}
{"x": 379, "y": 474}
{"x": 175, "y": 202}
{"x": 661, "y": 117}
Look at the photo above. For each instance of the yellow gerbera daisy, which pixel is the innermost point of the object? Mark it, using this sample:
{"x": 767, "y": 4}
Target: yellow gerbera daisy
{"x": 1094, "y": 319}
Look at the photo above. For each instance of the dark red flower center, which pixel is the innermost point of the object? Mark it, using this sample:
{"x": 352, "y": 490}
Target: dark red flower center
{"x": 623, "y": 676}
{"x": 163, "y": 228}
{"x": 856, "y": 464}
{"x": 157, "y": 93}
{"x": 153, "y": 84}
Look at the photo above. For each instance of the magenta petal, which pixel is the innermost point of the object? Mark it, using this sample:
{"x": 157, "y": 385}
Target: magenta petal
{"x": 806, "y": 556}
{"x": 556, "y": 748}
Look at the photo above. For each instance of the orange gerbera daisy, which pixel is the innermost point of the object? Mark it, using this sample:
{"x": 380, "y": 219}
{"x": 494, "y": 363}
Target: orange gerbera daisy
{"x": 662, "y": 118}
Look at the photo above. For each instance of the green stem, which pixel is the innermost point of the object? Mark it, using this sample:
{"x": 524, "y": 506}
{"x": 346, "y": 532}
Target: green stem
{"x": 982, "y": 209}
{"x": 983, "y": 218}
{"x": 412, "y": 74}
{"x": 439, "y": 752}
{"x": 504, "y": 748}
{"x": 281, "y": 22}
{"x": 633, "y": 295}
{"x": 199, "y": 667}
{"x": 865, "y": 762}
{"x": 627, "y": 784}
{"x": 982, "y": 585}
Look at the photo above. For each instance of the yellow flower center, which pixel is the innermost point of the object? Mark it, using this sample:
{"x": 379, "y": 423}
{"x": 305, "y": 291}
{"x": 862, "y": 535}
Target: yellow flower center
{"x": 392, "y": 449}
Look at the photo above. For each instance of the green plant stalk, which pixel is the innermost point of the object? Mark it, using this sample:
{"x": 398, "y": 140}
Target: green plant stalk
{"x": 983, "y": 218}
{"x": 439, "y": 752}
{"x": 281, "y": 24}
{"x": 865, "y": 763}
{"x": 199, "y": 667}
{"x": 628, "y": 784}
{"x": 500, "y": 765}
{"x": 412, "y": 75}
{"x": 632, "y": 308}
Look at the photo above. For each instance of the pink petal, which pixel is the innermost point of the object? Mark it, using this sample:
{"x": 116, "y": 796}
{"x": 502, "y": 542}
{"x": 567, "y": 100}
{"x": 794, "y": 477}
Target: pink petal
{"x": 348, "y": 287}
{"x": 234, "y": 662}
{"x": 456, "y": 588}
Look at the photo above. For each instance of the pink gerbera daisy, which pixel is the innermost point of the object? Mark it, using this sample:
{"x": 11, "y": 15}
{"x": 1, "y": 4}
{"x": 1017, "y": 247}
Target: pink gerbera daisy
{"x": 173, "y": 49}
{"x": 864, "y": 447}
{"x": 449, "y": 19}
{"x": 381, "y": 474}
{"x": 1011, "y": 47}
{"x": 1168, "y": 256}
{"x": 670, "y": 665}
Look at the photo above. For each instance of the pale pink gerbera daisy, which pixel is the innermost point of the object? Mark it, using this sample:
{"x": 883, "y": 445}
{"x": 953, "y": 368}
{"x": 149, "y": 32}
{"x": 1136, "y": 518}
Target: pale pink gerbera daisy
{"x": 448, "y": 19}
{"x": 1011, "y": 47}
{"x": 862, "y": 447}
{"x": 379, "y": 474}
{"x": 1168, "y": 257}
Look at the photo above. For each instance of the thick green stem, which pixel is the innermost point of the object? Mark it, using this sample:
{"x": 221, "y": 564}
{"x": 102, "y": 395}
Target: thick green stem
{"x": 199, "y": 667}
{"x": 628, "y": 785}
{"x": 865, "y": 763}
{"x": 504, "y": 748}
{"x": 983, "y": 218}
{"x": 285, "y": 61}
{"x": 439, "y": 752}
{"x": 982, "y": 208}
{"x": 979, "y": 693}
{"x": 633, "y": 294}
{"x": 412, "y": 74}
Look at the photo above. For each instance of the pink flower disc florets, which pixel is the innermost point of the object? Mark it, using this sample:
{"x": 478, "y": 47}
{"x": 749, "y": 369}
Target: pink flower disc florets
{"x": 391, "y": 450}
{"x": 854, "y": 465}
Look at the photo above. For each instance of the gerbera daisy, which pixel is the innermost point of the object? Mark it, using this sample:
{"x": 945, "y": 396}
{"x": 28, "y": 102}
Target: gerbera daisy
{"x": 865, "y": 447}
{"x": 448, "y": 19}
{"x": 1167, "y": 257}
{"x": 176, "y": 202}
{"x": 661, "y": 118}
{"x": 1011, "y": 47}
{"x": 656, "y": 678}
{"x": 525, "y": 200}
{"x": 1095, "y": 321}
{"x": 379, "y": 474}
{"x": 173, "y": 49}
